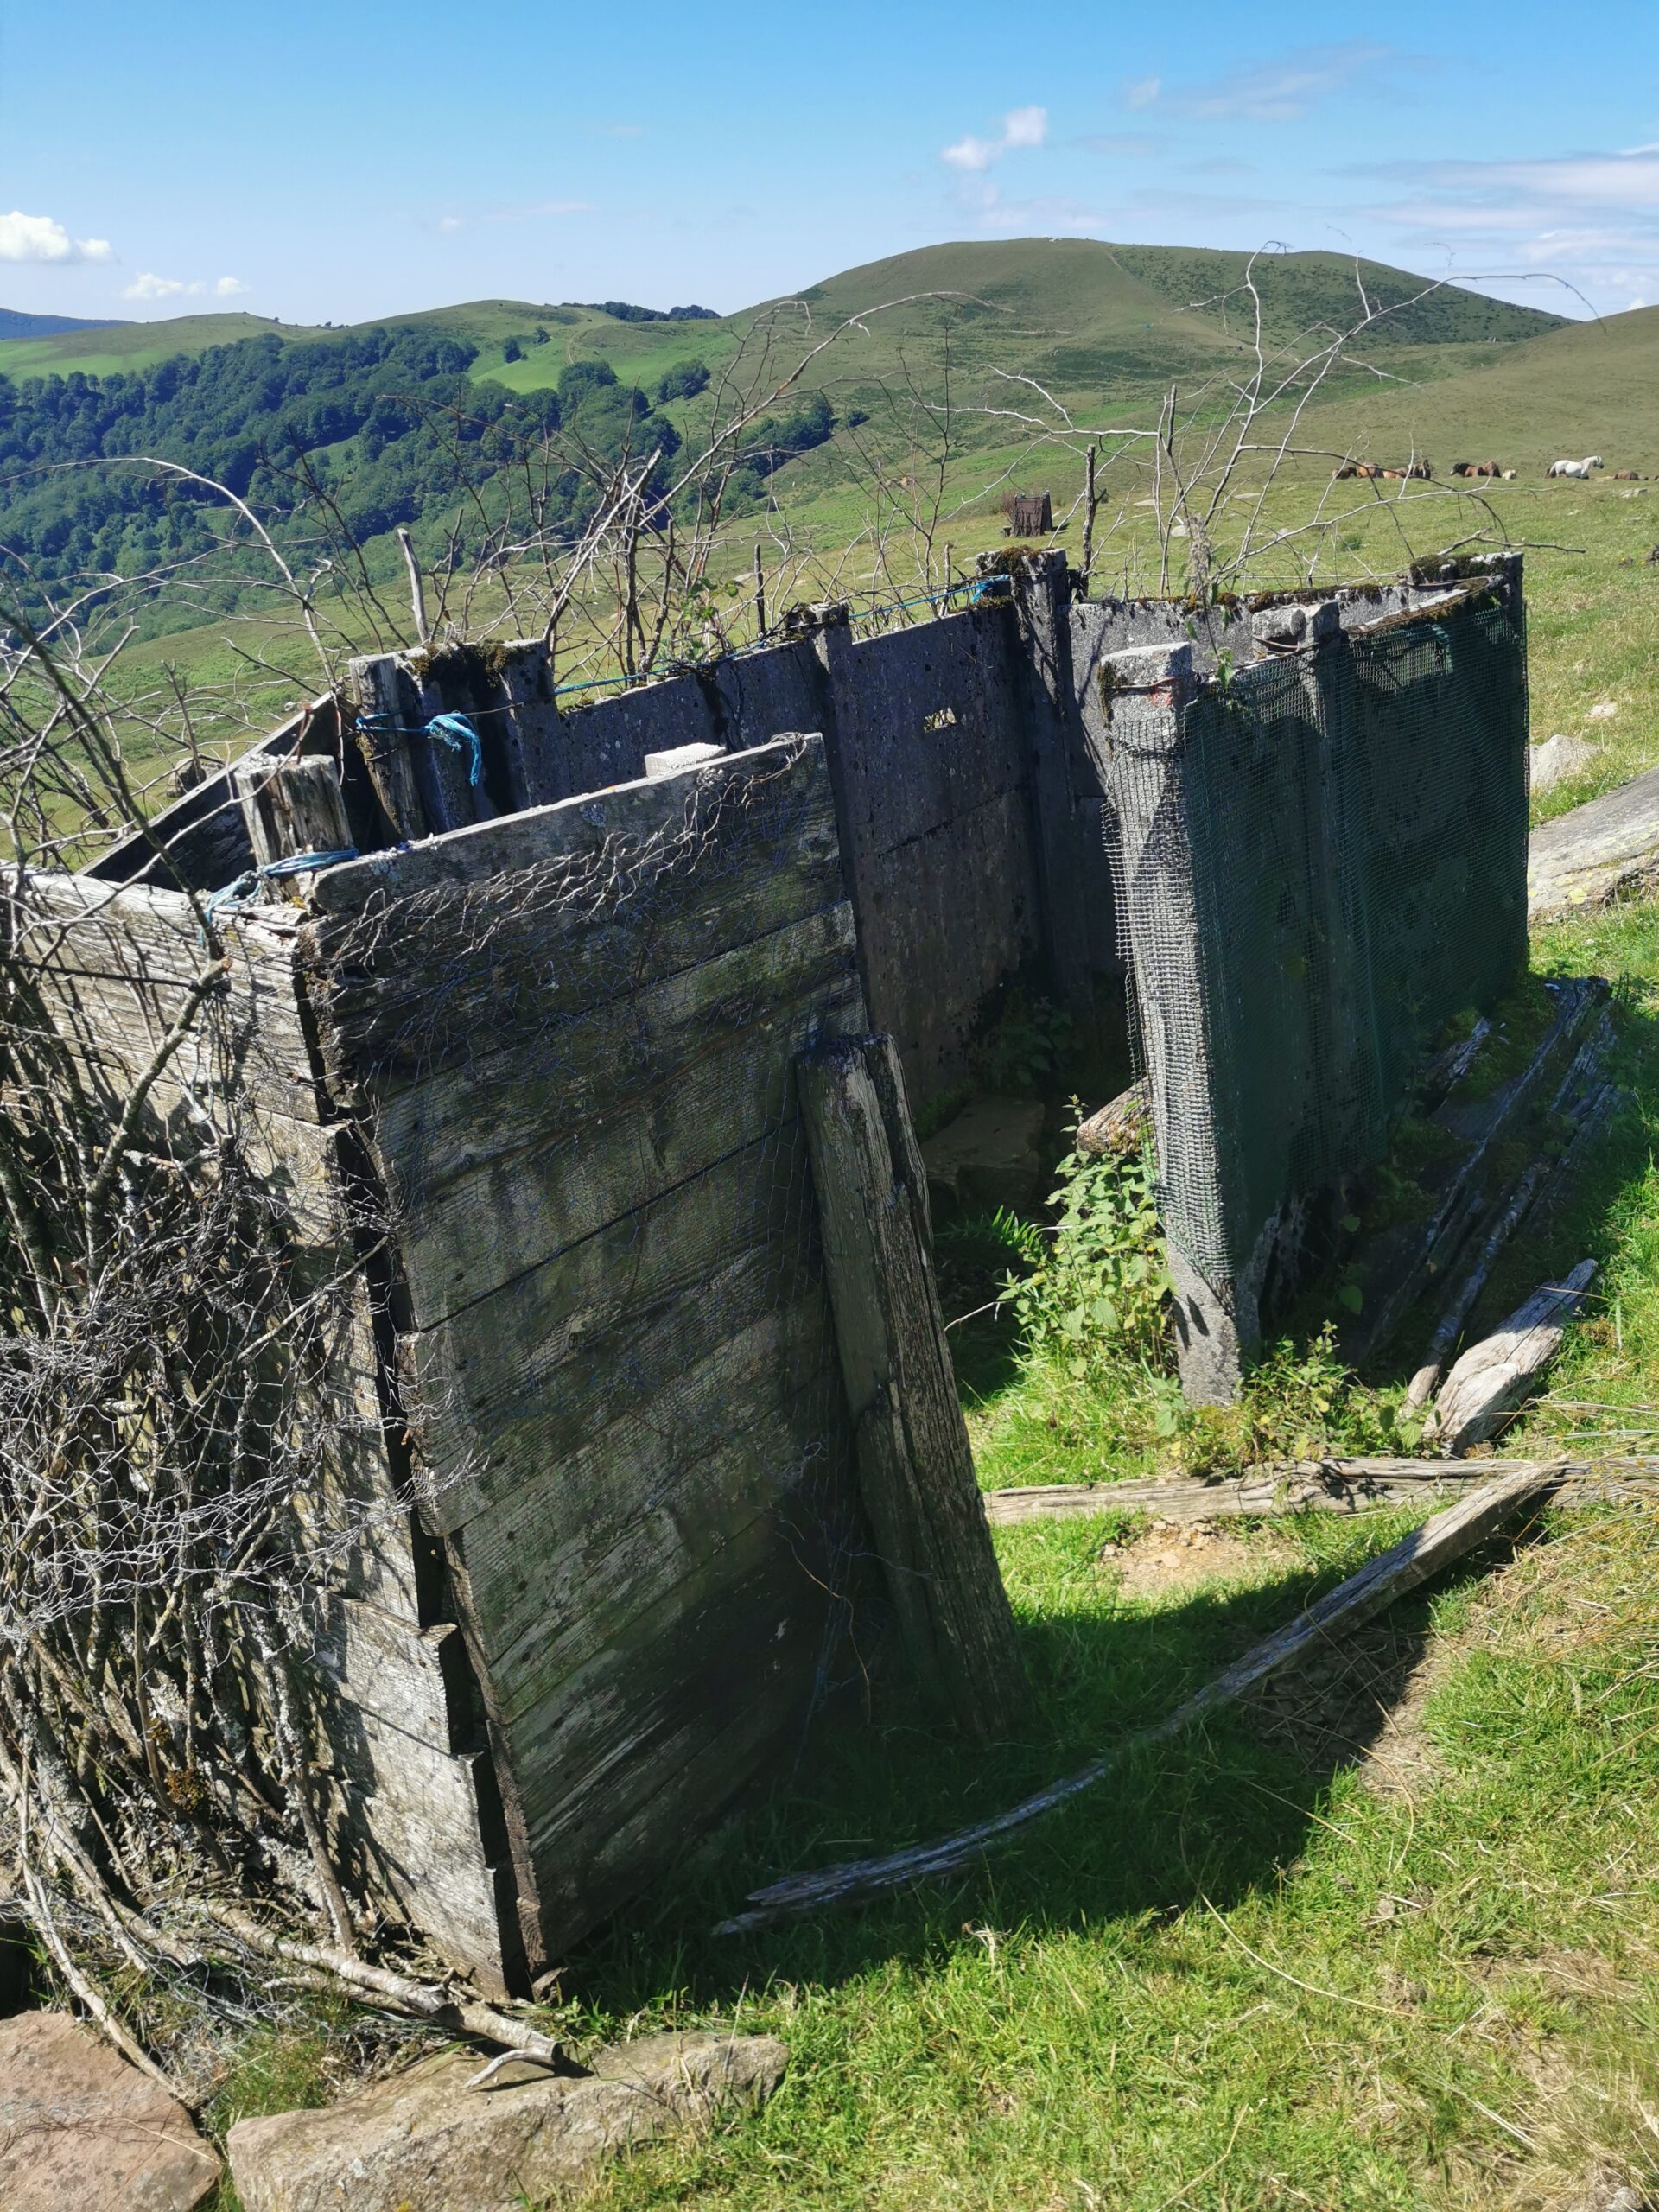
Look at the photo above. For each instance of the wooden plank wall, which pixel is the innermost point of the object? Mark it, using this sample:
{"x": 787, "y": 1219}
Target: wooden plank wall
{"x": 936, "y": 757}
{"x": 114, "y": 966}
{"x": 571, "y": 1037}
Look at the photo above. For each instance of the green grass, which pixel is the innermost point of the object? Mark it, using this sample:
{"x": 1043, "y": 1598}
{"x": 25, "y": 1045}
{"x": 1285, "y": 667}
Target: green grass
{"x": 1335, "y": 1949}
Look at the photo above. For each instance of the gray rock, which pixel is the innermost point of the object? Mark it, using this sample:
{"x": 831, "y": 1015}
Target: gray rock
{"x": 423, "y": 2138}
{"x": 991, "y": 1155}
{"x": 79, "y": 2127}
{"x": 1559, "y": 758}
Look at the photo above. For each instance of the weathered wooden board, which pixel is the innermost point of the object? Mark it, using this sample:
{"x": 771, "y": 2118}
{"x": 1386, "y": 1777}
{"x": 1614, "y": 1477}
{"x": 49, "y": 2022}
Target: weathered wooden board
{"x": 453, "y": 1123}
{"x": 412, "y": 1791}
{"x": 553, "y": 1579}
{"x": 619, "y": 1370}
{"x": 520, "y": 1376}
{"x": 915, "y": 1467}
{"x": 452, "y": 950}
{"x": 486, "y": 1229}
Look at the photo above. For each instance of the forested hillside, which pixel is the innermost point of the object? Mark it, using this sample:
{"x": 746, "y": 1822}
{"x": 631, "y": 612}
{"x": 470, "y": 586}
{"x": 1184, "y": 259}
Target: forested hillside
{"x": 331, "y": 443}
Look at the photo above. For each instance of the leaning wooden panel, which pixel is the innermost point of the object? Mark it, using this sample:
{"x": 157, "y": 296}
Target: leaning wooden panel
{"x": 570, "y": 1037}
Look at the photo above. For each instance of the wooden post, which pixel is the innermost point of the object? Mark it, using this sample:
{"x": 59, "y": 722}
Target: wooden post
{"x": 291, "y": 805}
{"x": 387, "y": 702}
{"x": 1088, "y": 506}
{"x": 915, "y": 1468}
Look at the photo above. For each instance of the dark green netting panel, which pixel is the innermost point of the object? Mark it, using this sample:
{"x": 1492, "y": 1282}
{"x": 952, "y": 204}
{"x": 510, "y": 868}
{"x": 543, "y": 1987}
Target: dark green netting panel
{"x": 1319, "y": 867}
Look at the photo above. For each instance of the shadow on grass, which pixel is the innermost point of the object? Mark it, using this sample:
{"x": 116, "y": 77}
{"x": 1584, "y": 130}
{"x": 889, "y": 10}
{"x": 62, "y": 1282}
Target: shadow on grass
{"x": 1590, "y": 1213}
{"x": 1215, "y": 1815}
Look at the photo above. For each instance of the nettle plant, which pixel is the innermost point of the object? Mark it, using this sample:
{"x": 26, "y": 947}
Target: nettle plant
{"x": 1095, "y": 1280}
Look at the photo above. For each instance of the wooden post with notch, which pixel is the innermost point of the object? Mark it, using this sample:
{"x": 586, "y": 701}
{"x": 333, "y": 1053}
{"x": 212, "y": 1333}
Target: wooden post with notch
{"x": 291, "y": 805}
{"x": 915, "y": 1468}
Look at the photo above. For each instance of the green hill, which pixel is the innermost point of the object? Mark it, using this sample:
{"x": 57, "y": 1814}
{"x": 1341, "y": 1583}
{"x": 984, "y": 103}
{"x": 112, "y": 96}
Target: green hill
{"x": 112, "y": 348}
{"x": 15, "y": 323}
{"x": 1586, "y": 387}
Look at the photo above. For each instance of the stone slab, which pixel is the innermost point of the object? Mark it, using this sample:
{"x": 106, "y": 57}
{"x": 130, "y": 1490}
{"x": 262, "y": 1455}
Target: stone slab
{"x": 1605, "y": 850}
{"x": 80, "y": 2128}
{"x": 991, "y": 1155}
{"x": 423, "y": 2138}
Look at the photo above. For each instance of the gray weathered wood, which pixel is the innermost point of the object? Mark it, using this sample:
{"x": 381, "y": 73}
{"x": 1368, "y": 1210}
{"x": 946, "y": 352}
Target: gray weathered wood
{"x": 471, "y": 1236}
{"x": 915, "y": 1469}
{"x": 462, "y": 1118}
{"x": 292, "y": 806}
{"x": 496, "y": 934}
{"x": 1282, "y": 1487}
{"x": 1494, "y": 1378}
{"x": 387, "y": 702}
{"x": 1446, "y": 1538}
{"x": 1120, "y": 1125}
{"x": 1464, "y": 1203}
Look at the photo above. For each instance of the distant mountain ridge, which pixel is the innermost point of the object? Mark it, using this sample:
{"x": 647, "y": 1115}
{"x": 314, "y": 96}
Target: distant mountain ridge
{"x": 15, "y": 323}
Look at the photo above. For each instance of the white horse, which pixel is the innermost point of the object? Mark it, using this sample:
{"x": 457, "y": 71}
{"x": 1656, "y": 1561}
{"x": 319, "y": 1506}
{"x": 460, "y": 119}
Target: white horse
{"x": 1576, "y": 467}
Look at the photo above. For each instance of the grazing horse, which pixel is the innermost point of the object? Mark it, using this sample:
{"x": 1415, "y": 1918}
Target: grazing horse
{"x": 1578, "y": 468}
{"x": 1627, "y": 476}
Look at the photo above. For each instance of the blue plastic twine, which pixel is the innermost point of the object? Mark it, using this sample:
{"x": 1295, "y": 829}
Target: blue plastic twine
{"x": 455, "y": 731}
{"x": 237, "y": 893}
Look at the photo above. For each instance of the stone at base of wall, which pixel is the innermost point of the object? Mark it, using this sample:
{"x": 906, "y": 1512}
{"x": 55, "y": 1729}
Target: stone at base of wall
{"x": 79, "y": 2127}
{"x": 424, "y": 2137}
{"x": 1208, "y": 1351}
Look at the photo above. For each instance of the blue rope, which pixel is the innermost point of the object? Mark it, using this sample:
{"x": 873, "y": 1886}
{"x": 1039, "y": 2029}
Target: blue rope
{"x": 455, "y": 731}
{"x": 238, "y": 892}
{"x": 452, "y": 730}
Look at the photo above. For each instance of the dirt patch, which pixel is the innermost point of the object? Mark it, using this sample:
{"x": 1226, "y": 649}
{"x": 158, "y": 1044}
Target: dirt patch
{"x": 1170, "y": 1557}
{"x": 1362, "y": 1703}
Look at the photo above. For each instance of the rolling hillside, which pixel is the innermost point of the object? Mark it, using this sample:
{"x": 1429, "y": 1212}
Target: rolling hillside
{"x": 1105, "y": 329}
{"x": 15, "y": 323}
{"x": 1587, "y": 387}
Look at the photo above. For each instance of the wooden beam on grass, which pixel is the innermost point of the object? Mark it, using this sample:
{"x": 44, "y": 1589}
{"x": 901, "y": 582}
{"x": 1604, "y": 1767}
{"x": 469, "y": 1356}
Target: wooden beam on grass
{"x": 915, "y": 1467}
{"x": 1439, "y": 1542}
{"x": 1493, "y": 1380}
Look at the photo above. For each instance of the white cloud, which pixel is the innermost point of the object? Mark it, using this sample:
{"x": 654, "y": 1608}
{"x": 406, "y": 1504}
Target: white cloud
{"x": 1589, "y": 219}
{"x": 545, "y": 207}
{"x": 1274, "y": 91}
{"x": 38, "y": 238}
{"x": 449, "y": 225}
{"x": 1021, "y": 127}
{"x": 149, "y": 286}
{"x": 1047, "y": 217}
{"x": 226, "y": 287}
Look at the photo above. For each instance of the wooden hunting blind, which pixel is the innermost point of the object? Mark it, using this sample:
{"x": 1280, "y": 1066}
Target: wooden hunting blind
{"x": 575, "y": 1088}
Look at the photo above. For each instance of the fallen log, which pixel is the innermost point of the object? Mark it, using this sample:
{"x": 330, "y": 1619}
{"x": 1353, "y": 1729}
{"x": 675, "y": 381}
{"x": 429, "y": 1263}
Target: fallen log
{"x": 1277, "y": 1487}
{"x": 1588, "y": 1103}
{"x": 1122, "y": 1124}
{"x": 1439, "y": 1542}
{"x": 1463, "y": 1202}
{"x": 1283, "y": 1486}
{"x": 1493, "y": 1379}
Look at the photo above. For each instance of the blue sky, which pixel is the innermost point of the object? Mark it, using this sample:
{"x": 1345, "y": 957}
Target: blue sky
{"x": 348, "y": 160}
